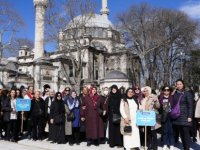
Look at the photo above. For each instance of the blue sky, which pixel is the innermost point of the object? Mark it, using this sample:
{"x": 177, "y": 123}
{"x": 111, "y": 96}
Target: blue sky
{"x": 26, "y": 10}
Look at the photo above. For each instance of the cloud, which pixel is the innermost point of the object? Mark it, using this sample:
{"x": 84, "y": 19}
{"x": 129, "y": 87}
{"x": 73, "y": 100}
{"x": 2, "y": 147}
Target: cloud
{"x": 192, "y": 8}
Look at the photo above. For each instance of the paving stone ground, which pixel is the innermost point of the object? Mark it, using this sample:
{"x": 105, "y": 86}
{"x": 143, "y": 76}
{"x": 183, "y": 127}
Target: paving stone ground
{"x": 45, "y": 145}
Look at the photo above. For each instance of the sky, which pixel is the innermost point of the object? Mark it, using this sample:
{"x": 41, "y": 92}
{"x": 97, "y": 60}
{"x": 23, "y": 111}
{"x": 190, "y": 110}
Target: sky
{"x": 26, "y": 9}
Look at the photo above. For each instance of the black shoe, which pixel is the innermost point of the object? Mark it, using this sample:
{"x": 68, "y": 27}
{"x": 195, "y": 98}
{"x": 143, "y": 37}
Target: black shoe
{"x": 29, "y": 137}
{"x": 61, "y": 142}
{"x": 88, "y": 143}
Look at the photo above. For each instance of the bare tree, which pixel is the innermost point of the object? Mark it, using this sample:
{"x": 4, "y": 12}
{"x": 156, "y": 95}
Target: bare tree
{"x": 71, "y": 19}
{"x": 158, "y": 36}
{"x": 11, "y": 22}
{"x": 181, "y": 31}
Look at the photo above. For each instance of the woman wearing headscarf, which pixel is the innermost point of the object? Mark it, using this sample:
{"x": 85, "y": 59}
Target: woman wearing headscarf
{"x": 128, "y": 109}
{"x": 115, "y": 137}
{"x": 93, "y": 121}
{"x": 103, "y": 111}
{"x": 139, "y": 96}
{"x": 150, "y": 103}
{"x": 57, "y": 118}
{"x": 73, "y": 104}
{"x": 137, "y": 93}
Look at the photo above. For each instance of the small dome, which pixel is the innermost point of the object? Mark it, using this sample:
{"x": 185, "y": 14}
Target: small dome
{"x": 13, "y": 59}
{"x": 115, "y": 74}
{"x": 91, "y": 21}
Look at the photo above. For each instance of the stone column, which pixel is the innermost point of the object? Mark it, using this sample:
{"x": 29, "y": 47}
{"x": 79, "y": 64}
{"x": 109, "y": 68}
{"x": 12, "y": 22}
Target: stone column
{"x": 37, "y": 77}
{"x": 101, "y": 66}
{"x": 40, "y": 9}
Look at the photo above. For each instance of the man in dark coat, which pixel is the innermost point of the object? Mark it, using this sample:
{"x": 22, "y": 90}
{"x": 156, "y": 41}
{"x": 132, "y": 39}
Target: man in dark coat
{"x": 37, "y": 115}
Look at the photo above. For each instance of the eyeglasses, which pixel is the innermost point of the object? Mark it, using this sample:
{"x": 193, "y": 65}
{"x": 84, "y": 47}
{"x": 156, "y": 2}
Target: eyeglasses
{"x": 58, "y": 95}
{"x": 67, "y": 90}
{"x": 137, "y": 89}
{"x": 145, "y": 91}
{"x": 166, "y": 90}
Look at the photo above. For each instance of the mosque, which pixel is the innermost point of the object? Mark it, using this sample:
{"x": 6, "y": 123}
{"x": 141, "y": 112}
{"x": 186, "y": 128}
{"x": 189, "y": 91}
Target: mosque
{"x": 105, "y": 60}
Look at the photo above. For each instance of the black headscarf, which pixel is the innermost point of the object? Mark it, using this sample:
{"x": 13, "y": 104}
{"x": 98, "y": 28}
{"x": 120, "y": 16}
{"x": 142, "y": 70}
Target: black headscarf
{"x": 136, "y": 101}
{"x": 114, "y": 99}
{"x": 58, "y": 93}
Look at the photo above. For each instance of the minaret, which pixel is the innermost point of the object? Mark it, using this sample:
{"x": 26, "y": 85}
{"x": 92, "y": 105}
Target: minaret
{"x": 40, "y": 9}
{"x": 105, "y": 10}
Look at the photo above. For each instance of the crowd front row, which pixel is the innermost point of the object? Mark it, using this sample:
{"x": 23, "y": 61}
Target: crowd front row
{"x": 96, "y": 119}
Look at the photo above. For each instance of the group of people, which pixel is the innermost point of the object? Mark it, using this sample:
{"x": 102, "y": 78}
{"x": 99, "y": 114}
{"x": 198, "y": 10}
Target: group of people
{"x": 99, "y": 118}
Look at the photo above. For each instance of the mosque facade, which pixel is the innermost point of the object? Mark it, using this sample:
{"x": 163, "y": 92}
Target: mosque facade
{"x": 105, "y": 60}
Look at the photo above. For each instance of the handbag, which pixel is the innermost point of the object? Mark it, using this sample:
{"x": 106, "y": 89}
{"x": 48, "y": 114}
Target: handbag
{"x": 128, "y": 129}
{"x": 71, "y": 116}
{"x": 175, "y": 111}
{"x": 116, "y": 119}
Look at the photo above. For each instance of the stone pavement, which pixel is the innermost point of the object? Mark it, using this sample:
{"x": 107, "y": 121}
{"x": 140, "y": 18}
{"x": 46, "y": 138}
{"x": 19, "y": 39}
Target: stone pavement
{"x": 44, "y": 145}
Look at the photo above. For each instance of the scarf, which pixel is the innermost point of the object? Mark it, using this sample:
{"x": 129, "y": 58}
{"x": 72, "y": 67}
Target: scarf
{"x": 30, "y": 95}
{"x": 94, "y": 99}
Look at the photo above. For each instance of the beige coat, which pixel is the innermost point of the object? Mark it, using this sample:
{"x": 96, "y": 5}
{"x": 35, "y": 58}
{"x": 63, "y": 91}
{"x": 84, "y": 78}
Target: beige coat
{"x": 127, "y": 111}
{"x": 197, "y": 109}
{"x": 68, "y": 124}
{"x": 151, "y": 103}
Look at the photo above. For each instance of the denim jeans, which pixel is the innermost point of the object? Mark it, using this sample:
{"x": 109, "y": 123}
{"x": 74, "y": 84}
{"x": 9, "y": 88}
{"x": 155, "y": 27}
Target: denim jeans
{"x": 168, "y": 136}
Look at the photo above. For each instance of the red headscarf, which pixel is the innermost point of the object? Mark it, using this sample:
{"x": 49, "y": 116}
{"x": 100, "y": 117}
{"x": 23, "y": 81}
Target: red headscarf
{"x": 94, "y": 97}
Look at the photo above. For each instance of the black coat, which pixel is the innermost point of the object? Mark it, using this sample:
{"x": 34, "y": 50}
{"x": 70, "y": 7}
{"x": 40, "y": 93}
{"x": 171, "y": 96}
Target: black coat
{"x": 58, "y": 110}
{"x": 6, "y": 109}
{"x": 186, "y": 108}
{"x": 37, "y": 108}
{"x": 46, "y": 105}
{"x": 115, "y": 137}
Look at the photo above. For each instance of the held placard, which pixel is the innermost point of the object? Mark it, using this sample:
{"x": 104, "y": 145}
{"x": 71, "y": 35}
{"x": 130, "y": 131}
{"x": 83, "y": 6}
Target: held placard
{"x": 23, "y": 104}
{"x": 146, "y": 118}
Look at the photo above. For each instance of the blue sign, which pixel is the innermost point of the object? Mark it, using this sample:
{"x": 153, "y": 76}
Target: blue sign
{"x": 23, "y": 104}
{"x": 146, "y": 118}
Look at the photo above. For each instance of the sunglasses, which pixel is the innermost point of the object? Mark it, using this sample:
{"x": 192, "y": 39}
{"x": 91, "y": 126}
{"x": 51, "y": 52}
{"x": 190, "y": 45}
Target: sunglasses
{"x": 136, "y": 88}
{"x": 166, "y": 90}
{"x": 58, "y": 95}
{"x": 145, "y": 91}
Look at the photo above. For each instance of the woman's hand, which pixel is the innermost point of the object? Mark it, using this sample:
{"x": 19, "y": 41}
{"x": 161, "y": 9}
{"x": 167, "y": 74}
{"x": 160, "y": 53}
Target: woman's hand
{"x": 126, "y": 121}
{"x": 82, "y": 119}
{"x": 104, "y": 112}
{"x": 51, "y": 121}
{"x": 189, "y": 119}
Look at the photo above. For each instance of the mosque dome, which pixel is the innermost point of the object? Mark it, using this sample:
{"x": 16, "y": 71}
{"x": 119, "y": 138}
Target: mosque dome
{"x": 91, "y": 20}
{"x": 115, "y": 74}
